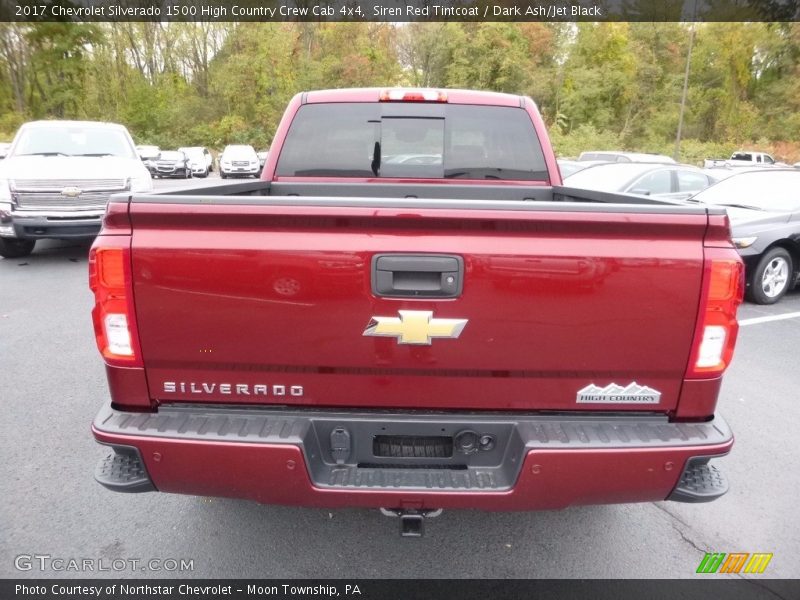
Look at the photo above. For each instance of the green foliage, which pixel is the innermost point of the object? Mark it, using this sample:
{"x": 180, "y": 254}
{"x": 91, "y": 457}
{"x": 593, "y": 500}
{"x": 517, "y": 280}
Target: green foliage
{"x": 598, "y": 86}
{"x": 694, "y": 152}
{"x": 9, "y": 123}
{"x": 488, "y": 56}
{"x": 583, "y": 138}
{"x": 58, "y": 63}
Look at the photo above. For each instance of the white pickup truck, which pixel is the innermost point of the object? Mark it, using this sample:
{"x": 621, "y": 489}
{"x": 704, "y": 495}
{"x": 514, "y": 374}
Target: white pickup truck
{"x": 743, "y": 158}
{"x": 58, "y": 177}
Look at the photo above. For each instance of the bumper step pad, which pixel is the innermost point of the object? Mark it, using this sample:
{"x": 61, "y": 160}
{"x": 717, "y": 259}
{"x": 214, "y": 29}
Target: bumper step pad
{"x": 124, "y": 471}
{"x": 700, "y": 482}
{"x": 412, "y": 450}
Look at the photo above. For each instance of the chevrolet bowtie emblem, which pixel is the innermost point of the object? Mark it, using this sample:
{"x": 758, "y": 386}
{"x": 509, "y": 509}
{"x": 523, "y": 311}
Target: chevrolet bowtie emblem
{"x": 415, "y": 327}
{"x": 71, "y": 192}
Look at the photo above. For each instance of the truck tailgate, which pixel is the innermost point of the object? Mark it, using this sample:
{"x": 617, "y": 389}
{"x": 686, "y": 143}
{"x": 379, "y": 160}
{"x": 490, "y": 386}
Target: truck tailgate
{"x": 269, "y": 304}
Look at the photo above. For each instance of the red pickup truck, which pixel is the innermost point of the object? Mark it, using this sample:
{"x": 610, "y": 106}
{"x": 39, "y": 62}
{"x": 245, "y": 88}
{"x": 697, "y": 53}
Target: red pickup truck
{"x": 410, "y": 312}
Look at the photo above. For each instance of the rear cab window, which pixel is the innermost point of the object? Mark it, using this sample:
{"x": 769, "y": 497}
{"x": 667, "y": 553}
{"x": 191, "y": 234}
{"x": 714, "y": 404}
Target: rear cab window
{"x": 410, "y": 140}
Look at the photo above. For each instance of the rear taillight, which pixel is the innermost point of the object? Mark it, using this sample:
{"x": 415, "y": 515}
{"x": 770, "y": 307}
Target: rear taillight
{"x": 113, "y": 315}
{"x": 715, "y": 334}
{"x": 400, "y": 95}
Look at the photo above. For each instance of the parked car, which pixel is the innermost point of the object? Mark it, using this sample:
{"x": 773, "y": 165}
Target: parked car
{"x": 148, "y": 152}
{"x": 57, "y": 180}
{"x": 200, "y": 160}
{"x": 173, "y": 163}
{"x": 239, "y": 160}
{"x": 723, "y": 172}
{"x": 4, "y": 147}
{"x": 660, "y": 181}
{"x": 262, "y": 159}
{"x": 764, "y": 209}
{"x": 570, "y": 167}
{"x": 149, "y": 156}
{"x": 625, "y": 157}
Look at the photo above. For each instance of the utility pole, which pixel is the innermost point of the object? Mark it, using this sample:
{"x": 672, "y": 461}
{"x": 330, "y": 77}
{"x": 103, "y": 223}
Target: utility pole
{"x": 676, "y": 154}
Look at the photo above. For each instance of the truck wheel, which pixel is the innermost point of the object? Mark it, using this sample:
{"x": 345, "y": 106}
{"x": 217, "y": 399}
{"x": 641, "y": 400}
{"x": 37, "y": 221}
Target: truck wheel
{"x": 16, "y": 248}
{"x": 771, "y": 278}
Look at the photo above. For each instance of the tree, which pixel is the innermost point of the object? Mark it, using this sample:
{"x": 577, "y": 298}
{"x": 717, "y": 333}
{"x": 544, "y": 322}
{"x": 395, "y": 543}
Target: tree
{"x": 595, "y": 83}
{"x": 58, "y": 60}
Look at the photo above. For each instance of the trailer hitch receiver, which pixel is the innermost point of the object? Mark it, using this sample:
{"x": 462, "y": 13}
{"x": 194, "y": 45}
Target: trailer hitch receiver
{"x": 412, "y": 520}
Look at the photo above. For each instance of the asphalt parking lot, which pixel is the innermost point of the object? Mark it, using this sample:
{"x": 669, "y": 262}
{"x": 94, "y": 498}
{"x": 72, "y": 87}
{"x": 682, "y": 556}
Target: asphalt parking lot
{"x": 52, "y": 383}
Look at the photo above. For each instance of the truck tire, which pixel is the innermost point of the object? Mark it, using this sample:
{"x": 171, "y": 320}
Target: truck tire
{"x": 772, "y": 277}
{"x": 16, "y": 248}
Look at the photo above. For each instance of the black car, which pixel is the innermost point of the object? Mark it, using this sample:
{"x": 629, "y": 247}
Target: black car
{"x": 763, "y": 206}
{"x": 173, "y": 163}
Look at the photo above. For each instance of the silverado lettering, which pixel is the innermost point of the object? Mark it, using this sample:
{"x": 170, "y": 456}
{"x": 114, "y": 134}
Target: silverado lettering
{"x": 450, "y": 327}
{"x": 192, "y": 387}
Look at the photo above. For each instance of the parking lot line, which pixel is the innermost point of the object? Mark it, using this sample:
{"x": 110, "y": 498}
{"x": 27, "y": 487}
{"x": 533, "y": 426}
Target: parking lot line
{"x": 757, "y": 320}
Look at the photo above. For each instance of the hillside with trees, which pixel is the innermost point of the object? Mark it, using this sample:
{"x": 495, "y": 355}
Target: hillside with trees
{"x": 611, "y": 85}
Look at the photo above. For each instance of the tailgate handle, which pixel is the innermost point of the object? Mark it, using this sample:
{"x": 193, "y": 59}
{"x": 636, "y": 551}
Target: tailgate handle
{"x": 417, "y": 275}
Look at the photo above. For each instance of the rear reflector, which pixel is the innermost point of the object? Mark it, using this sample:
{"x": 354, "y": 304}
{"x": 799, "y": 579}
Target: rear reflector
{"x": 413, "y": 96}
{"x": 717, "y": 328}
{"x": 110, "y": 280}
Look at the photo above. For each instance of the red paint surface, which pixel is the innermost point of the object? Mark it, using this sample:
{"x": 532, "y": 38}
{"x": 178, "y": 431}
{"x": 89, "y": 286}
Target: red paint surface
{"x": 281, "y": 295}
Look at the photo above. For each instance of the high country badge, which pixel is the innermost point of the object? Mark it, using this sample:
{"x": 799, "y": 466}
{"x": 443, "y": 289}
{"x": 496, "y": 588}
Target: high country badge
{"x": 617, "y": 394}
